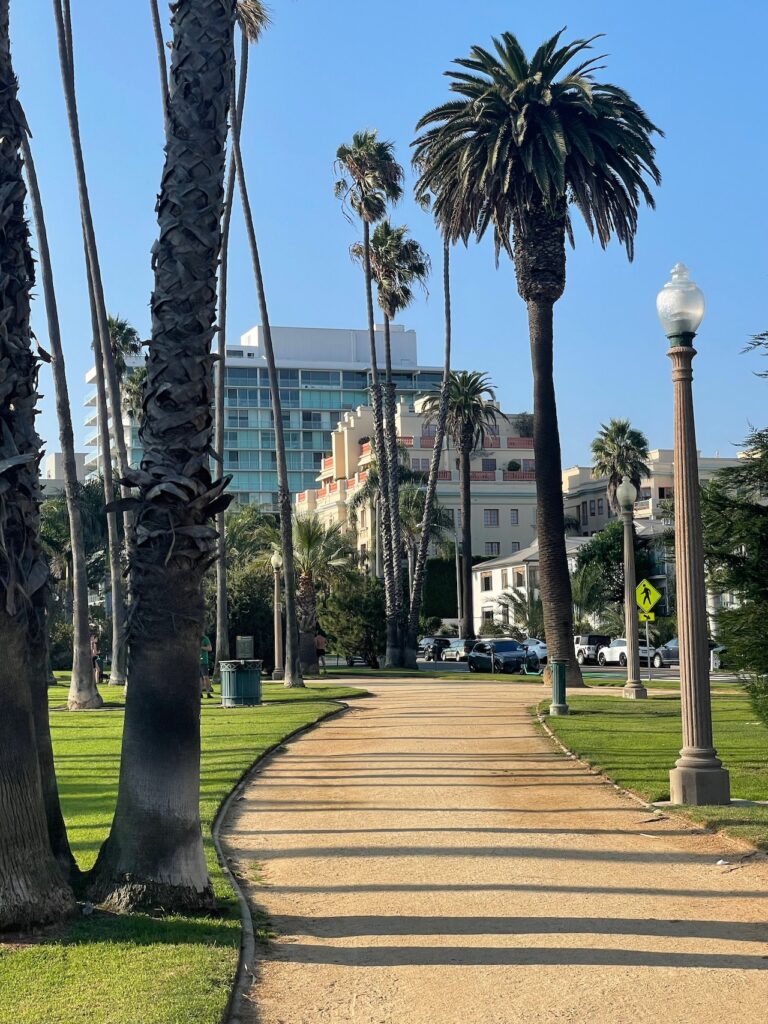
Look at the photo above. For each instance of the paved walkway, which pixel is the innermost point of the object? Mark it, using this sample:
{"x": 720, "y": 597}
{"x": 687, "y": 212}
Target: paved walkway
{"x": 429, "y": 859}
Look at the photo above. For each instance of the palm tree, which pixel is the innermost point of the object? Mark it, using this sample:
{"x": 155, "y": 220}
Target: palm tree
{"x": 125, "y": 343}
{"x": 154, "y": 854}
{"x": 619, "y": 450}
{"x": 133, "y": 392}
{"x": 525, "y": 611}
{"x": 82, "y": 692}
{"x": 588, "y": 594}
{"x": 107, "y": 384}
{"x": 323, "y": 556}
{"x": 472, "y": 413}
{"x": 370, "y": 177}
{"x": 397, "y": 264}
{"x": 515, "y": 150}
{"x": 32, "y": 889}
{"x": 369, "y": 494}
{"x": 413, "y": 498}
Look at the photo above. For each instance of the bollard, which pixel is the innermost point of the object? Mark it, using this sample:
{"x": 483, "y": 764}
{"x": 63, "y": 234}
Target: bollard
{"x": 558, "y": 705}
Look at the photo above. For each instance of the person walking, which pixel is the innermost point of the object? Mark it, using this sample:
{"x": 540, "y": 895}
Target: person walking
{"x": 96, "y": 662}
{"x": 321, "y": 645}
{"x": 206, "y": 686}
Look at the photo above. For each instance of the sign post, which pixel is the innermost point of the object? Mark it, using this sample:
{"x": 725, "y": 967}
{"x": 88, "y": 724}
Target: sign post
{"x": 647, "y": 597}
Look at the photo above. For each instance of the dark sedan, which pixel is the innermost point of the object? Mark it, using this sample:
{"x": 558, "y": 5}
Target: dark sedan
{"x": 669, "y": 653}
{"x": 501, "y": 656}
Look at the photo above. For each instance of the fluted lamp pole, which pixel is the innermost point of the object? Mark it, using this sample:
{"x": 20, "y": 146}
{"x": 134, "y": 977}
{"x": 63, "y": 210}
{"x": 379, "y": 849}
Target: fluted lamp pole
{"x": 698, "y": 776}
{"x": 626, "y": 495}
{"x": 277, "y": 566}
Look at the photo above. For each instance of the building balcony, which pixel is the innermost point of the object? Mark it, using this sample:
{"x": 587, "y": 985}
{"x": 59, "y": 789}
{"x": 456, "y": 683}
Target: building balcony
{"x": 426, "y": 441}
{"x": 328, "y": 463}
{"x": 406, "y": 442}
{"x": 365, "y": 448}
{"x": 517, "y": 474}
{"x": 482, "y": 474}
{"x": 444, "y": 474}
{"x": 520, "y": 442}
{"x": 489, "y": 441}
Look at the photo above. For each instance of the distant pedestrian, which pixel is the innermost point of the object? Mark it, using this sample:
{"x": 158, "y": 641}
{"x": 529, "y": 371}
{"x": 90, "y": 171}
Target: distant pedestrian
{"x": 321, "y": 645}
{"x": 206, "y": 686}
{"x": 96, "y": 663}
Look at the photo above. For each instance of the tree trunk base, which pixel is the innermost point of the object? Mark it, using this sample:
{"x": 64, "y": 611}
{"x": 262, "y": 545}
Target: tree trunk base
{"x": 21, "y": 911}
{"x": 128, "y": 893}
{"x": 409, "y": 658}
{"x": 394, "y": 656}
{"x": 88, "y": 704}
{"x": 573, "y": 677}
{"x": 294, "y": 684}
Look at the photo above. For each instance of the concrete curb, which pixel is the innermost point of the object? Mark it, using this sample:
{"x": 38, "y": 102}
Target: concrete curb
{"x": 245, "y": 973}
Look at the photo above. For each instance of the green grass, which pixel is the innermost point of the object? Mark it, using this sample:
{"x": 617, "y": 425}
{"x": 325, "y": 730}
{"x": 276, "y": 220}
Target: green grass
{"x": 118, "y": 969}
{"x": 635, "y": 743}
{"x": 653, "y": 684}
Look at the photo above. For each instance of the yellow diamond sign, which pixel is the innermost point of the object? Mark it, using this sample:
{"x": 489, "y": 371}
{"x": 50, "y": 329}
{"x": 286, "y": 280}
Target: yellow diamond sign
{"x": 647, "y": 596}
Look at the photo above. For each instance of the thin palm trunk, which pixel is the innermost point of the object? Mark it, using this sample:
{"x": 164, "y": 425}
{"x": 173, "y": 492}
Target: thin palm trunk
{"x": 161, "y": 64}
{"x": 411, "y": 567}
{"x": 417, "y": 585}
{"x": 82, "y": 691}
{"x": 393, "y": 470}
{"x": 32, "y": 889}
{"x": 292, "y": 676}
{"x": 554, "y": 579}
{"x": 468, "y": 629}
{"x": 154, "y": 854}
{"x": 307, "y": 616}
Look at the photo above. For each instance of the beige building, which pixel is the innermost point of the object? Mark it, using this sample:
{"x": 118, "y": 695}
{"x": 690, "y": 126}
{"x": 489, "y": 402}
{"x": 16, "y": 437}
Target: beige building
{"x": 586, "y": 500}
{"x": 52, "y": 472}
{"x": 503, "y": 498}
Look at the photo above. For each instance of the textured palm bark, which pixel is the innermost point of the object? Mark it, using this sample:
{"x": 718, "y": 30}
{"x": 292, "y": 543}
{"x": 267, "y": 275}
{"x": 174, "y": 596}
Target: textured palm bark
{"x": 154, "y": 854}
{"x": 32, "y": 888}
{"x": 417, "y": 580}
{"x": 306, "y": 609}
{"x": 539, "y": 252}
{"x": 292, "y": 677}
{"x": 467, "y": 604}
{"x": 83, "y": 692}
{"x": 395, "y": 538}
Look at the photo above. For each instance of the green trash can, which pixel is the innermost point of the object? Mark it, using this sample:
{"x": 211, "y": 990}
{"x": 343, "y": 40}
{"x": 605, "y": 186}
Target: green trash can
{"x": 558, "y": 705}
{"x": 240, "y": 683}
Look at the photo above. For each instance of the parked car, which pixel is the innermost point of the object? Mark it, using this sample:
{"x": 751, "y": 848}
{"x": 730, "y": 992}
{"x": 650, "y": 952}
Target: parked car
{"x": 507, "y": 655}
{"x": 669, "y": 653}
{"x": 434, "y": 652}
{"x": 458, "y": 650}
{"x": 538, "y": 647}
{"x": 616, "y": 653}
{"x": 587, "y": 647}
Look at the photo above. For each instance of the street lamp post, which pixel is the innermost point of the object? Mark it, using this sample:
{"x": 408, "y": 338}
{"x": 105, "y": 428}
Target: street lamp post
{"x": 626, "y": 494}
{"x": 277, "y": 566}
{"x": 698, "y": 776}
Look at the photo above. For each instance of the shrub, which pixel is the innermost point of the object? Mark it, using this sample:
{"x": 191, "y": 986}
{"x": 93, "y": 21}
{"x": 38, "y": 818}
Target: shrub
{"x": 490, "y": 628}
{"x": 62, "y": 637}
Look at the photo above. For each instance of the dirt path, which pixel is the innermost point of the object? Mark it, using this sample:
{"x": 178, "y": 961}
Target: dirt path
{"x": 429, "y": 859}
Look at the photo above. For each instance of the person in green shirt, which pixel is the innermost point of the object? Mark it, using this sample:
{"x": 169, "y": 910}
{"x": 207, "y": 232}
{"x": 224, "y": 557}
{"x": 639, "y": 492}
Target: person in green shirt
{"x": 206, "y": 686}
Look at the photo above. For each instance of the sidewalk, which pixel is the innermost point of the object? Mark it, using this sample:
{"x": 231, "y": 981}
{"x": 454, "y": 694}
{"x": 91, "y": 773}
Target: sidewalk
{"x": 429, "y": 859}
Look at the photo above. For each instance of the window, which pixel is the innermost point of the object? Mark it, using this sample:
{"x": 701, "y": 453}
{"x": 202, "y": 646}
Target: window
{"x": 492, "y": 547}
{"x": 363, "y": 550}
{"x": 451, "y": 515}
{"x": 487, "y": 617}
{"x": 363, "y": 516}
{"x": 592, "y": 507}
{"x": 600, "y": 506}
{"x": 666, "y": 492}
{"x": 529, "y": 465}
{"x": 583, "y": 511}
{"x": 325, "y": 377}
{"x": 486, "y": 581}
{"x": 420, "y": 465}
{"x": 519, "y": 578}
{"x": 515, "y": 545}
{"x": 237, "y": 418}
{"x": 491, "y": 517}
{"x": 489, "y": 465}
{"x": 310, "y": 419}
{"x": 504, "y": 579}
{"x": 514, "y": 516}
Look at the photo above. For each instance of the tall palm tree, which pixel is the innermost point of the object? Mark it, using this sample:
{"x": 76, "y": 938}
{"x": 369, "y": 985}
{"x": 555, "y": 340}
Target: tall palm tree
{"x": 107, "y": 385}
{"x": 369, "y": 178}
{"x": 154, "y": 853}
{"x": 133, "y": 392}
{"x": 82, "y": 691}
{"x": 412, "y": 501}
{"x": 523, "y": 141}
{"x": 252, "y": 18}
{"x": 125, "y": 342}
{"x": 397, "y": 264}
{"x": 619, "y": 450}
{"x": 369, "y": 494}
{"x": 472, "y": 413}
{"x": 32, "y": 888}
{"x": 323, "y": 556}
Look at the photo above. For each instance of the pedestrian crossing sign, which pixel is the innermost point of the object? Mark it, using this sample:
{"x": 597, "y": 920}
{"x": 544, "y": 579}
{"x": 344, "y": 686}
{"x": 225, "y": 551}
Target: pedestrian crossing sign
{"x": 647, "y": 616}
{"x": 647, "y": 596}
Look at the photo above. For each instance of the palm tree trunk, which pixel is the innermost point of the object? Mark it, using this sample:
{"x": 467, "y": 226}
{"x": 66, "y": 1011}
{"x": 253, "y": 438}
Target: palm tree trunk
{"x": 292, "y": 676}
{"x": 411, "y": 567}
{"x": 32, "y": 889}
{"x": 417, "y": 585}
{"x": 82, "y": 692}
{"x": 306, "y": 605}
{"x": 393, "y": 471}
{"x": 554, "y": 579}
{"x": 222, "y": 612}
{"x": 161, "y": 64}
{"x": 468, "y": 628}
{"x": 154, "y": 854}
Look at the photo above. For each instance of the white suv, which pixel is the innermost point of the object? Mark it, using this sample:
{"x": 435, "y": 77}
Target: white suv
{"x": 616, "y": 653}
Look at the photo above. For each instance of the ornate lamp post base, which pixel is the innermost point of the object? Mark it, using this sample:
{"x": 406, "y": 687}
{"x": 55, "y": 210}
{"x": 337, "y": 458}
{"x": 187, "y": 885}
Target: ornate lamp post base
{"x": 634, "y": 691}
{"x": 278, "y": 674}
{"x": 708, "y": 783}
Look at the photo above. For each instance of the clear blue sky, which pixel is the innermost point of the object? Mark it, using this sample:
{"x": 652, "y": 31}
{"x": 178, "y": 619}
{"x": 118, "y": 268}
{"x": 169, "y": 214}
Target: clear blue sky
{"x": 326, "y": 69}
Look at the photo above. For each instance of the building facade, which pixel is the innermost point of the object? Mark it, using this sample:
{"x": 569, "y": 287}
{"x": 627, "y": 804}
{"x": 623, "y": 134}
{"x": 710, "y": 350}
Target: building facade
{"x": 503, "y": 499}
{"x": 52, "y": 472}
{"x": 323, "y": 373}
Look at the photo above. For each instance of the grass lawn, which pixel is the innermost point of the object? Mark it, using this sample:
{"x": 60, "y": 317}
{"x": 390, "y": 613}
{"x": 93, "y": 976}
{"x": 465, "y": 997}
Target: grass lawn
{"x": 635, "y": 743}
{"x": 117, "y": 969}
{"x": 593, "y": 679}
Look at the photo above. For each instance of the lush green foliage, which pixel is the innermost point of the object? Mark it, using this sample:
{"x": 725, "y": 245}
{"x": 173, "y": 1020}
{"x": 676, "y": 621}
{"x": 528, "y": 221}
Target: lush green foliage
{"x": 606, "y": 551}
{"x": 635, "y": 743}
{"x": 526, "y": 613}
{"x": 397, "y": 263}
{"x": 354, "y": 619}
{"x": 619, "y": 451}
{"x": 492, "y": 628}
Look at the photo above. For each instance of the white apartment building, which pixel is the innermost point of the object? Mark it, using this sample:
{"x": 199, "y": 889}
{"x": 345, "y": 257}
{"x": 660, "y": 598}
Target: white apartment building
{"x": 323, "y": 373}
{"x": 52, "y": 472}
{"x": 503, "y": 480}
